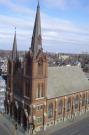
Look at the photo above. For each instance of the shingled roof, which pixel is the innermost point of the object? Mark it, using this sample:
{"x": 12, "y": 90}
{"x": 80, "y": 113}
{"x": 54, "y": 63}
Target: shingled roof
{"x": 66, "y": 80}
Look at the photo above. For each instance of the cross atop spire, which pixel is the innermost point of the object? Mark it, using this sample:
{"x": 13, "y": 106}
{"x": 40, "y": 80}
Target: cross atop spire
{"x": 14, "y": 49}
{"x": 15, "y": 29}
{"x": 36, "y": 43}
{"x": 38, "y": 4}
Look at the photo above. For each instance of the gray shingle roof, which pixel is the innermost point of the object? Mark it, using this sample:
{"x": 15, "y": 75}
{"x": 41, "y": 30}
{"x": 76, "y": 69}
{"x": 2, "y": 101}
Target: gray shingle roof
{"x": 66, "y": 80}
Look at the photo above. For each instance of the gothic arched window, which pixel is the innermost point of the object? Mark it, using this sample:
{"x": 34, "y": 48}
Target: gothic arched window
{"x": 40, "y": 90}
{"x": 76, "y": 101}
{"x": 40, "y": 67}
{"x": 88, "y": 98}
{"x": 60, "y": 105}
{"x": 68, "y": 104}
{"x": 83, "y": 99}
{"x": 27, "y": 88}
{"x": 50, "y": 110}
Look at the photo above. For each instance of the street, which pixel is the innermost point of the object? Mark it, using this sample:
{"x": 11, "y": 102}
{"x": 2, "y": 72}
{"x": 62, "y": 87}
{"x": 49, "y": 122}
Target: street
{"x": 78, "y": 128}
{"x": 81, "y": 127}
{"x": 4, "y": 130}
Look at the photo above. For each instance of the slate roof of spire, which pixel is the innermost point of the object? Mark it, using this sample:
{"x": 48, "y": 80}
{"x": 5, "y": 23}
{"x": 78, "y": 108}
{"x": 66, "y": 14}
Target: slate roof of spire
{"x": 36, "y": 43}
{"x": 14, "y": 49}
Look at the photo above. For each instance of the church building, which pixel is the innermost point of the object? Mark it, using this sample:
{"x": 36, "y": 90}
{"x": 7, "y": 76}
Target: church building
{"x": 39, "y": 96}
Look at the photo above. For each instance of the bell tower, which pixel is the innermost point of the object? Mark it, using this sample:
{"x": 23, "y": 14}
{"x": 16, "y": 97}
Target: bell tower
{"x": 39, "y": 62}
{"x": 36, "y": 64}
{"x": 36, "y": 73}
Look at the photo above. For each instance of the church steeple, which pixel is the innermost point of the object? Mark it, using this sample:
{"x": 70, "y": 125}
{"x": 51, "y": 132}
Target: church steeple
{"x": 36, "y": 43}
{"x": 14, "y": 49}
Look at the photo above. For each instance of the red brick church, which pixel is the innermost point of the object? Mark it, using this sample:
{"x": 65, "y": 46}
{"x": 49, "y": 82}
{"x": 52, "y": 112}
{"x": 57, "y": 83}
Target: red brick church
{"x": 39, "y": 96}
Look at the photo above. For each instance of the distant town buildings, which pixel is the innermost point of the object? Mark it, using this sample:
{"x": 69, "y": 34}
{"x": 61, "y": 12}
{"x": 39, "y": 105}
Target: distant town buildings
{"x": 54, "y": 59}
{"x": 2, "y": 94}
{"x": 3, "y": 65}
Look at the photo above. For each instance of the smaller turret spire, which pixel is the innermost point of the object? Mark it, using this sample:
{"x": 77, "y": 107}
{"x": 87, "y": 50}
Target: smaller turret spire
{"x": 14, "y": 49}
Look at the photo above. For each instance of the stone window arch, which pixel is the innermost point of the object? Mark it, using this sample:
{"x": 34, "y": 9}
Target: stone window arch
{"x": 28, "y": 66}
{"x": 27, "y": 87}
{"x": 76, "y": 101}
{"x": 68, "y": 107}
{"x": 60, "y": 106}
{"x": 88, "y": 97}
{"x": 83, "y": 99}
{"x": 50, "y": 110}
{"x": 40, "y": 66}
{"x": 40, "y": 90}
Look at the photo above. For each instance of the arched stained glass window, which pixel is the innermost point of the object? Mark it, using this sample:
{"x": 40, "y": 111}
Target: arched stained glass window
{"x": 27, "y": 87}
{"x": 88, "y": 97}
{"x": 76, "y": 101}
{"x": 83, "y": 99}
{"x": 50, "y": 110}
{"x": 40, "y": 67}
{"x": 60, "y": 105}
{"x": 40, "y": 90}
{"x": 68, "y": 104}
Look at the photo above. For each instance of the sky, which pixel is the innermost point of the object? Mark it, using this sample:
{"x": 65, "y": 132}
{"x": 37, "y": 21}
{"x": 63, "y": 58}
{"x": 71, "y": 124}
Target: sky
{"x": 65, "y": 24}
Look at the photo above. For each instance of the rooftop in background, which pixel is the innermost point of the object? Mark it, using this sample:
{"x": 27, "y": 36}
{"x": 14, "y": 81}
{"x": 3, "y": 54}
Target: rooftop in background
{"x": 2, "y": 82}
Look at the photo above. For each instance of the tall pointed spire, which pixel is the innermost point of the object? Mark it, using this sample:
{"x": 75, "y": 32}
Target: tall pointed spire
{"x": 14, "y": 49}
{"x": 36, "y": 43}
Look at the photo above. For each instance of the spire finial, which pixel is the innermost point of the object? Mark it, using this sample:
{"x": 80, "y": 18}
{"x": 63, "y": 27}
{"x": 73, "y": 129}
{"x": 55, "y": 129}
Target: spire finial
{"x": 15, "y": 29}
{"x": 14, "y": 50}
{"x": 36, "y": 43}
{"x": 38, "y": 4}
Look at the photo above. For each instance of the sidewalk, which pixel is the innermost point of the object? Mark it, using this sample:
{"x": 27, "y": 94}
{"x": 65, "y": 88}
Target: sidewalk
{"x": 10, "y": 125}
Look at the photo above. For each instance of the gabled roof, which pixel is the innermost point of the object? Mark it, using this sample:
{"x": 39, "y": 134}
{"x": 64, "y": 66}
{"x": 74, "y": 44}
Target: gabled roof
{"x": 66, "y": 80}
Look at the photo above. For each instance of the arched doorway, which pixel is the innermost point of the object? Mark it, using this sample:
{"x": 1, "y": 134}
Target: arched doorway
{"x": 19, "y": 115}
{"x": 11, "y": 109}
{"x": 24, "y": 121}
{"x": 7, "y": 108}
{"x": 15, "y": 112}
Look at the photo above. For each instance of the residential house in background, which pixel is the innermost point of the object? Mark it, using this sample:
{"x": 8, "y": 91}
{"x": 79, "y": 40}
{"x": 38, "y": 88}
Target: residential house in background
{"x": 2, "y": 94}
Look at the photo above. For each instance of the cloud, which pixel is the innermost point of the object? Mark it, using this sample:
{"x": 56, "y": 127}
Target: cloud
{"x": 61, "y": 4}
{"x": 67, "y": 4}
{"x": 15, "y": 7}
{"x": 15, "y": 22}
{"x": 55, "y": 32}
